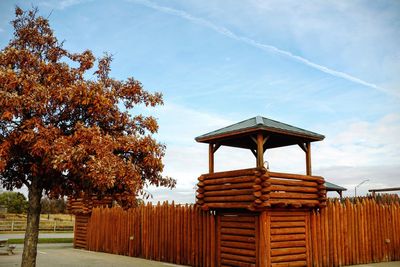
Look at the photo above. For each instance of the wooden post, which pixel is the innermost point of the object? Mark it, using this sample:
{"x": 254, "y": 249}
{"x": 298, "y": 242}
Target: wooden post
{"x": 260, "y": 150}
{"x": 211, "y": 158}
{"x": 308, "y": 158}
{"x": 212, "y": 229}
{"x": 263, "y": 257}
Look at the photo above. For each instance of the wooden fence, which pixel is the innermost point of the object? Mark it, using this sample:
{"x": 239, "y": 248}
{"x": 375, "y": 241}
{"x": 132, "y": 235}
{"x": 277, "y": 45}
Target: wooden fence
{"x": 355, "y": 233}
{"x": 341, "y": 234}
{"x": 170, "y": 233}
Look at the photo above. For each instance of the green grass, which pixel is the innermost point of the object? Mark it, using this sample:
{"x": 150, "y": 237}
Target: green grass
{"x": 43, "y": 232}
{"x": 43, "y": 240}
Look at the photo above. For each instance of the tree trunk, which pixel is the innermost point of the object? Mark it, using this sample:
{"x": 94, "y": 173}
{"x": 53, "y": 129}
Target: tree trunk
{"x": 32, "y": 226}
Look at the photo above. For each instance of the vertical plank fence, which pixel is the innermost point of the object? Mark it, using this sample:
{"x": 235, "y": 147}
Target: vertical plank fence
{"x": 355, "y": 233}
{"x": 180, "y": 234}
{"x": 341, "y": 234}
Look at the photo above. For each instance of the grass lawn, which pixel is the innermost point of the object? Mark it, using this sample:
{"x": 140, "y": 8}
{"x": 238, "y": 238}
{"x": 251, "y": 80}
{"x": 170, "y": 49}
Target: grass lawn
{"x": 43, "y": 217}
{"x": 42, "y": 240}
{"x": 41, "y": 232}
{"x": 17, "y": 222}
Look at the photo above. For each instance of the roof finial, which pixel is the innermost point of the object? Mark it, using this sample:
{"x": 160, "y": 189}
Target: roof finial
{"x": 259, "y": 120}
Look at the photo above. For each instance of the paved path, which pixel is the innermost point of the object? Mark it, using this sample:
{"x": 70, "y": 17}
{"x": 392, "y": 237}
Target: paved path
{"x": 41, "y": 235}
{"x": 65, "y": 256}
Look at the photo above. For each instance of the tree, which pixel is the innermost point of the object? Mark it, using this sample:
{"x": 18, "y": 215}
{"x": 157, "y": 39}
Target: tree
{"x": 15, "y": 202}
{"x": 64, "y": 134}
{"x": 53, "y": 206}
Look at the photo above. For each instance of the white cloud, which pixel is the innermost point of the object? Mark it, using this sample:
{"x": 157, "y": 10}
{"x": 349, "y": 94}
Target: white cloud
{"x": 384, "y": 176}
{"x": 351, "y": 153}
{"x": 362, "y": 143}
{"x": 361, "y": 150}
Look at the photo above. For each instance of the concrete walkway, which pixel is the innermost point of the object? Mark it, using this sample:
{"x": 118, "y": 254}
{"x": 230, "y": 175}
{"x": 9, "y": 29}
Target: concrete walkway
{"x": 64, "y": 255}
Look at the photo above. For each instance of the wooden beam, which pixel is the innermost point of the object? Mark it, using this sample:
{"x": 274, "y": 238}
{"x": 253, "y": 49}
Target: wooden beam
{"x": 260, "y": 150}
{"x": 216, "y": 147}
{"x": 254, "y": 139}
{"x": 211, "y": 158}
{"x": 384, "y": 189}
{"x": 265, "y": 141}
{"x": 308, "y": 158}
{"x": 303, "y": 147}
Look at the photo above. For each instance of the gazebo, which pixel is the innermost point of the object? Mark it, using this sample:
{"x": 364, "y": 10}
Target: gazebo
{"x": 334, "y": 187}
{"x": 262, "y": 216}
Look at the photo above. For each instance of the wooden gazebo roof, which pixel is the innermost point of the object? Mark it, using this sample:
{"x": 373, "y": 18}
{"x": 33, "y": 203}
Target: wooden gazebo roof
{"x": 279, "y": 134}
{"x": 258, "y": 134}
{"x": 334, "y": 187}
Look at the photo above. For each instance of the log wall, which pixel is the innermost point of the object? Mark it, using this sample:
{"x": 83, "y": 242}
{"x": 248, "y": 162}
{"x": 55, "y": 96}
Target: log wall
{"x": 237, "y": 239}
{"x": 239, "y": 189}
{"x": 85, "y": 205}
{"x": 258, "y": 189}
{"x": 80, "y": 230}
{"x": 288, "y": 234}
{"x": 82, "y": 208}
{"x": 295, "y": 190}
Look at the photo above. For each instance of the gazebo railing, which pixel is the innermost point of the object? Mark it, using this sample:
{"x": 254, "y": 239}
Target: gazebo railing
{"x": 295, "y": 189}
{"x": 258, "y": 188}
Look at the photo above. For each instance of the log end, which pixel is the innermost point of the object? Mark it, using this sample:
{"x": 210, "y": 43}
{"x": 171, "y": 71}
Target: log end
{"x": 205, "y": 207}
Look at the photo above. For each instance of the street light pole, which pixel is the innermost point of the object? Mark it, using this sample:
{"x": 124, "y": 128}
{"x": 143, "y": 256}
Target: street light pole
{"x": 355, "y": 188}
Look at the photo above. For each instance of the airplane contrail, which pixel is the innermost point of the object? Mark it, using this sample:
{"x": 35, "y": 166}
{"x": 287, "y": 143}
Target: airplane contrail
{"x": 265, "y": 47}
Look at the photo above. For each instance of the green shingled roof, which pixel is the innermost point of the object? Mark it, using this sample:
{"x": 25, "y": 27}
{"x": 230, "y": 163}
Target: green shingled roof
{"x": 333, "y": 187}
{"x": 261, "y": 123}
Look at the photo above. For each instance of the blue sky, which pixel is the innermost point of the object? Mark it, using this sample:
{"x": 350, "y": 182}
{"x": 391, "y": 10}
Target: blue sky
{"x": 332, "y": 67}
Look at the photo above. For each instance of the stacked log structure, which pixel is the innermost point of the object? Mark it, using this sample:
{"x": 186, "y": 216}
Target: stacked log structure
{"x": 231, "y": 189}
{"x": 82, "y": 208}
{"x": 295, "y": 190}
{"x": 257, "y": 189}
{"x": 84, "y": 205}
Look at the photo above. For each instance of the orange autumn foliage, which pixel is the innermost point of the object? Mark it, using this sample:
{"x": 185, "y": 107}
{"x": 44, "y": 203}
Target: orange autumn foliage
{"x": 63, "y": 133}
{"x": 66, "y": 133}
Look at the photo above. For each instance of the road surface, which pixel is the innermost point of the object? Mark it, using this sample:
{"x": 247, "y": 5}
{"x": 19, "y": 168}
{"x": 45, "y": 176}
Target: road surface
{"x": 41, "y": 235}
{"x": 64, "y": 255}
